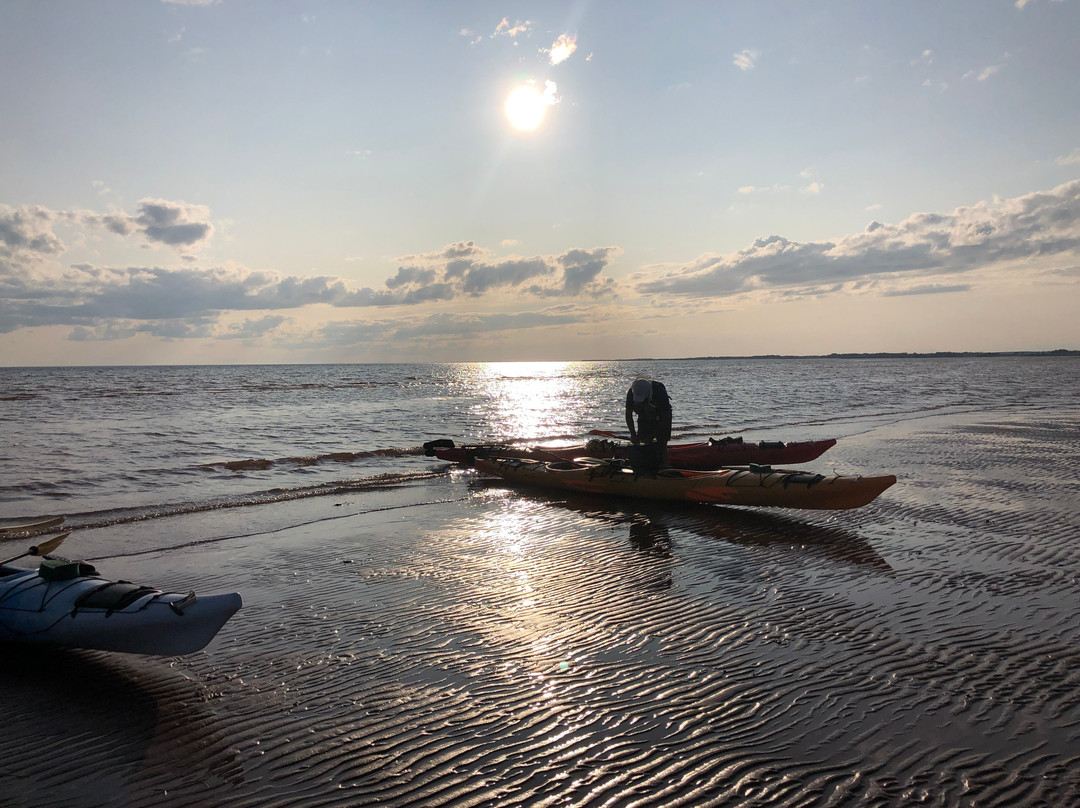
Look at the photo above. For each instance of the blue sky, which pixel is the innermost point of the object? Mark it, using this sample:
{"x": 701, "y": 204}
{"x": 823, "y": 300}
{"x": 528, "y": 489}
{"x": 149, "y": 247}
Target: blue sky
{"x": 340, "y": 181}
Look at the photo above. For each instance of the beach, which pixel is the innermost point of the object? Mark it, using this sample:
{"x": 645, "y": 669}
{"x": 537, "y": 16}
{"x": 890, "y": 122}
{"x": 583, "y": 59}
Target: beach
{"x": 447, "y": 640}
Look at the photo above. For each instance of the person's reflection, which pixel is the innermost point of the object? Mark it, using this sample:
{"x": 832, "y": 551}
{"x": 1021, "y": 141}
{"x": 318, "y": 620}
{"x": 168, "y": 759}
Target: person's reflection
{"x": 650, "y": 537}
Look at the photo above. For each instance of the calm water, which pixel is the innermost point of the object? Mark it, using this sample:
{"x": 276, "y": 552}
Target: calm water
{"x": 116, "y": 443}
{"x": 413, "y": 636}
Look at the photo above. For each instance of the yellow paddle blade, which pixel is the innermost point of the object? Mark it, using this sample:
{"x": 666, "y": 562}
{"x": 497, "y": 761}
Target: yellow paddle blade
{"x": 47, "y": 547}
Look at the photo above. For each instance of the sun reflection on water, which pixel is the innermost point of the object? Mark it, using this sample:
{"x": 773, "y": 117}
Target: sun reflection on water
{"x": 519, "y": 589}
{"x": 531, "y": 400}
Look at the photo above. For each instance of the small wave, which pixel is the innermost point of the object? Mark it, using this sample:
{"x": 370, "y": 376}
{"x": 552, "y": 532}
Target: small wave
{"x": 131, "y": 393}
{"x": 263, "y": 463}
{"x": 90, "y": 520}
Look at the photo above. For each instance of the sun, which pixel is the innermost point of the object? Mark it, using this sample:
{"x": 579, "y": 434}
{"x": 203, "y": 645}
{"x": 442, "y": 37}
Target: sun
{"x": 525, "y": 108}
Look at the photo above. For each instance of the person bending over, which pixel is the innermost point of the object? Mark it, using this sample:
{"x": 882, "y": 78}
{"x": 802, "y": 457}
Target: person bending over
{"x": 649, "y": 401}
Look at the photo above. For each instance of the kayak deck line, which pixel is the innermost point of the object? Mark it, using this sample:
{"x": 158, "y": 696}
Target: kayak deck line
{"x": 707, "y": 455}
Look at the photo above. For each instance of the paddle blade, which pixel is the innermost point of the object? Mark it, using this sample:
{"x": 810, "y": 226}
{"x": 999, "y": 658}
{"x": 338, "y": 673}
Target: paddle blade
{"x": 47, "y": 547}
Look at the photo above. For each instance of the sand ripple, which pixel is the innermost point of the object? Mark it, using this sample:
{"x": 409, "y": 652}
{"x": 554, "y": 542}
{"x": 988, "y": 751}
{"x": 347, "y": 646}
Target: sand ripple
{"x": 515, "y": 649}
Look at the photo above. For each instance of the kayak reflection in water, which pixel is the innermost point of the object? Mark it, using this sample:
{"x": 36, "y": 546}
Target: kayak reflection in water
{"x": 649, "y": 401}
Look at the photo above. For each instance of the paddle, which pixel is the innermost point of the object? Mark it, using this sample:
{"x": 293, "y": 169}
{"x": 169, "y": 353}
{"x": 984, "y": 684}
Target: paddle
{"x": 26, "y": 527}
{"x": 44, "y": 548}
{"x": 603, "y": 433}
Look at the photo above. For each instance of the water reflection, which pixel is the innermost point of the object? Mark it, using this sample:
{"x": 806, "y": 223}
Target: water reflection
{"x": 650, "y": 536}
{"x": 550, "y": 401}
{"x": 650, "y": 526}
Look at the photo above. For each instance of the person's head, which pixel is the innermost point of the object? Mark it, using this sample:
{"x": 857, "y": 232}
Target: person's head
{"x": 642, "y": 389}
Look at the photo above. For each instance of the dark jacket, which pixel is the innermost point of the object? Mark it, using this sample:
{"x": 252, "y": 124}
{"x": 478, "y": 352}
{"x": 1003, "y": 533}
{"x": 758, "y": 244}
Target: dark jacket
{"x": 653, "y": 416}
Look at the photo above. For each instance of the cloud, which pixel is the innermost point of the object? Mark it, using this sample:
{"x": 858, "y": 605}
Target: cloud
{"x": 178, "y": 225}
{"x": 746, "y": 59}
{"x": 925, "y": 59}
{"x": 988, "y": 71}
{"x": 444, "y": 326}
{"x": 929, "y": 289}
{"x": 985, "y": 73}
{"x": 194, "y": 328}
{"x": 504, "y": 28}
{"x": 27, "y": 231}
{"x": 174, "y": 223}
{"x": 563, "y": 48}
{"x": 581, "y": 268}
{"x": 254, "y": 329}
{"x": 105, "y": 302}
{"x": 1070, "y": 159}
{"x": 1038, "y": 225}
{"x": 466, "y": 270}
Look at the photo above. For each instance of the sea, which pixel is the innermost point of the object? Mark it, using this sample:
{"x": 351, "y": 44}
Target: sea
{"x": 416, "y": 634}
{"x": 105, "y": 445}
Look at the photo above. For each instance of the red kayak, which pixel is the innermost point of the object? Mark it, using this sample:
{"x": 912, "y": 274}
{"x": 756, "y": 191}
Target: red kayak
{"x": 705, "y": 456}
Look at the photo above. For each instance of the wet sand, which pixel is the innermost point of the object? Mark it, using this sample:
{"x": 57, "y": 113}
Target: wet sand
{"x": 454, "y": 642}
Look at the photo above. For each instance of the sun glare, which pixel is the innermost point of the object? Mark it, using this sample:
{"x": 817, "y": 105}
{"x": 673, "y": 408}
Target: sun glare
{"x": 525, "y": 108}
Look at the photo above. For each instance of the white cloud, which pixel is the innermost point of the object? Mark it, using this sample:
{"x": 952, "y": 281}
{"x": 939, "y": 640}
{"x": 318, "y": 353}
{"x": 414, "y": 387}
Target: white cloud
{"x": 746, "y": 59}
{"x": 763, "y": 189}
{"x": 925, "y": 59}
{"x": 928, "y": 289}
{"x": 1070, "y": 159}
{"x": 35, "y": 289}
{"x": 563, "y": 48}
{"x": 1034, "y": 227}
{"x": 472, "y": 36}
{"x": 504, "y": 28}
{"x": 253, "y": 329}
{"x": 26, "y": 233}
{"x": 988, "y": 71}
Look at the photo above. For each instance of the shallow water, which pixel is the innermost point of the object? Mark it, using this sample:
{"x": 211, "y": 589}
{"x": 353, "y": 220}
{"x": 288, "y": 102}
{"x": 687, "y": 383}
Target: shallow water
{"x": 435, "y": 638}
{"x": 109, "y": 444}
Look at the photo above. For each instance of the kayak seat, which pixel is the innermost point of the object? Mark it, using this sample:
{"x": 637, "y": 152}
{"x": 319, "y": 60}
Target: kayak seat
{"x": 113, "y": 596}
{"x": 803, "y": 479}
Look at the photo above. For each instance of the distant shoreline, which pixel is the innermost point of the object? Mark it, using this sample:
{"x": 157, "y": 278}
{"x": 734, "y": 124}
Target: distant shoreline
{"x": 889, "y": 355}
{"x": 1060, "y": 352}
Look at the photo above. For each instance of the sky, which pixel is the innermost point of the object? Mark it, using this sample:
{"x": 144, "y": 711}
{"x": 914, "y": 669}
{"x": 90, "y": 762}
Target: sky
{"x": 244, "y": 181}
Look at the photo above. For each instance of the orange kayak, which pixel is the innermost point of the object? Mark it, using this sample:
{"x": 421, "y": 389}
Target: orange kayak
{"x": 760, "y": 486}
